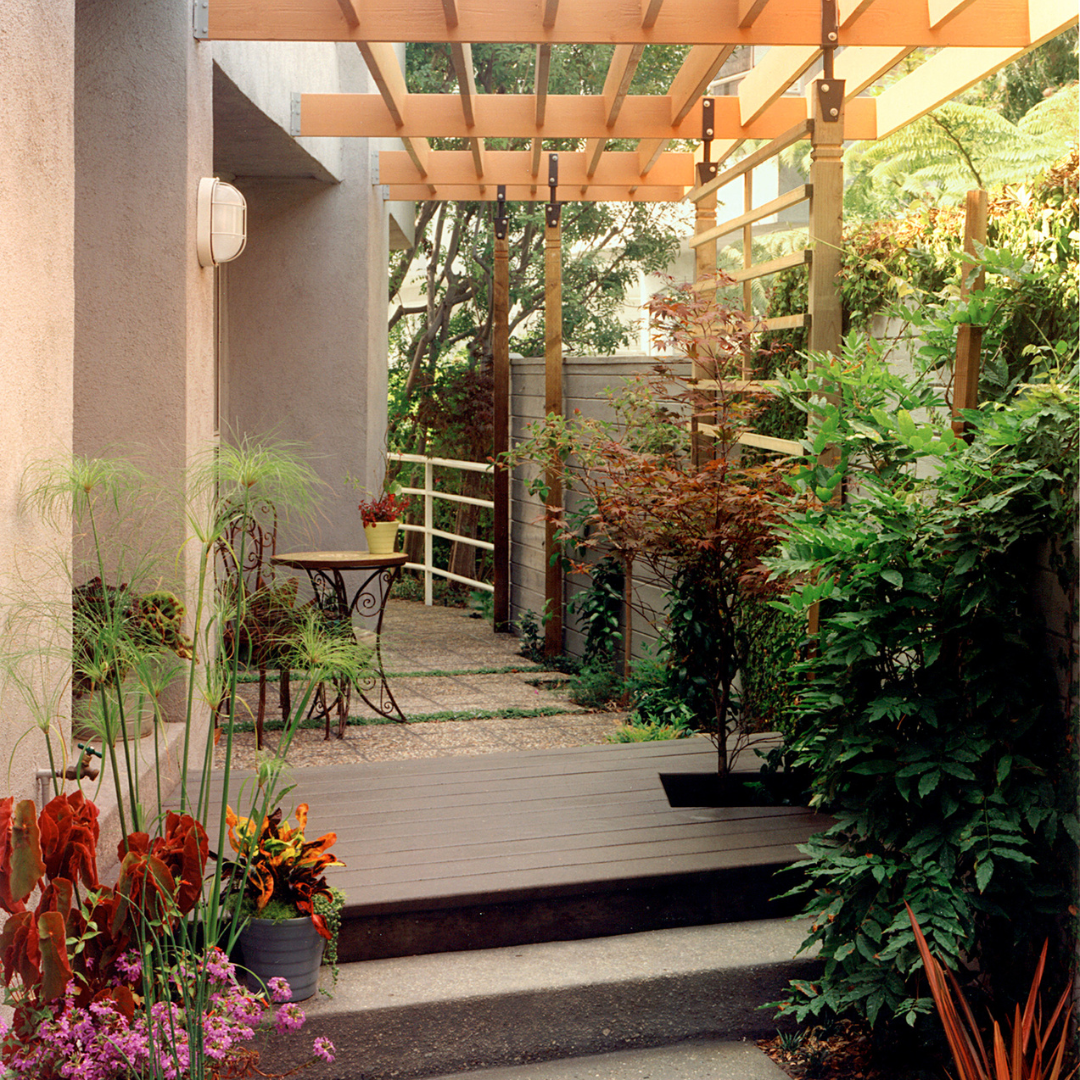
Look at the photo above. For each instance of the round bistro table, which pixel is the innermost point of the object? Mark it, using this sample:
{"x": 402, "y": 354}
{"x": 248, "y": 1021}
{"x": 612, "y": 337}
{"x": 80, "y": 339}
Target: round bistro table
{"x": 326, "y": 570}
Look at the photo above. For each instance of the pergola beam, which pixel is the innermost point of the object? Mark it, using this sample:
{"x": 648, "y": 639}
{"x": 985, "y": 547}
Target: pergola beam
{"x": 983, "y": 23}
{"x": 700, "y": 67}
{"x": 529, "y": 192}
{"x": 382, "y": 63}
{"x": 941, "y": 11}
{"x": 624, "y": 62}
{"x": 461, "y": 55}
{"x": 692, "y": 80}
{"x": 941, "y": 78}
{"x": 849, "y": 10}
{"x": 513, "y": 116}
{"x": 861, "y": 68}
{"x": 749, "y": 10}
{"x": 348, "y": 10}
{"x": 650, "y": 9}
{"x": 767, "y": 81}
{"x": 616, "y": 169}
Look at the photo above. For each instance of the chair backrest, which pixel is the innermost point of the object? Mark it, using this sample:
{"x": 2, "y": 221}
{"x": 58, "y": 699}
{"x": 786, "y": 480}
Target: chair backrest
{"x": 247, "y": 546}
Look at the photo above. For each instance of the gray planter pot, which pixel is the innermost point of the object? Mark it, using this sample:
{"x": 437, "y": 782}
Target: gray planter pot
{"x": 289, "y": 948}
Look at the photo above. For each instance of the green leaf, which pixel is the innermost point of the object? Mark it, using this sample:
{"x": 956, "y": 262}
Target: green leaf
{"x": 983, "y": 871}
{"x": 893, "y": 577}
{"x": 1004, "y": 768}
{"x": 928, "y": 782}
{"x": 965, "y": 562}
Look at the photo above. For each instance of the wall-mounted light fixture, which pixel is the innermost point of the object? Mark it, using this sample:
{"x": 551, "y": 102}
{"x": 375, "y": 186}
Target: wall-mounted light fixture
{"x": 220, "y": 223}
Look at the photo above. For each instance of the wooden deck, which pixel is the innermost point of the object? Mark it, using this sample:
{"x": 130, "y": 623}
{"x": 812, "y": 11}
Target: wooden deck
{"x": 450, "y": 853}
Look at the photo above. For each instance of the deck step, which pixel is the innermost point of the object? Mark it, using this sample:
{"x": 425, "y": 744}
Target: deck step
{"x": 450, "y": 854}
{"x": 426, "y": 1016}
{"x": 696, "y": 1059}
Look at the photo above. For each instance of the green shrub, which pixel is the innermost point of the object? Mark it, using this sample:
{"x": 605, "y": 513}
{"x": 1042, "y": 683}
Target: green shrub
{"x": 636, "y": 730}
{"x": 655, "y": 703}
{"x": 599, "y": 610}
{"x": 928, "y": 710}
{"x": 596, "y": 686}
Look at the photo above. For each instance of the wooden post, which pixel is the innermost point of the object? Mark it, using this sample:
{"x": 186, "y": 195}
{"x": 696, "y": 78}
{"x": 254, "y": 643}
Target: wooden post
{"x": 824, "y": 308}
{"x": 704, "y": 269}
{"x": 826, "y": 220}
{"x": 553, "y": 403}
{"x": 748, "y": 261}
{"x": 500, "y": 356}
{"x": 969, "y": 338}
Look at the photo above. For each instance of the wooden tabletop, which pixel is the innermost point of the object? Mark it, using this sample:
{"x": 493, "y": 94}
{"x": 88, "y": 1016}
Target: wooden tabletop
{"x": 339, "y": 560}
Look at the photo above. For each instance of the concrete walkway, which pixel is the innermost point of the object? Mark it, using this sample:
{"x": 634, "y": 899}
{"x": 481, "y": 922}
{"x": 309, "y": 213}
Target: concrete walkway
{"x": 444, "y": 660}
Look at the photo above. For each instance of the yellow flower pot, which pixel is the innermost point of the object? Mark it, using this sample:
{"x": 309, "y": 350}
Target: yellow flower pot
{"x": 381, "y": 537}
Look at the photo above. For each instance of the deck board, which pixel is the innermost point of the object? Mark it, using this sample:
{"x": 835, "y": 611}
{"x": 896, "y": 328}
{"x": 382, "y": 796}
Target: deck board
{"x": 535, "y": 827}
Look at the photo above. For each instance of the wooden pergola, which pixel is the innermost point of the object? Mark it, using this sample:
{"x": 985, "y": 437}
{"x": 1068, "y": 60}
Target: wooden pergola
{"x": 857, "y": 42}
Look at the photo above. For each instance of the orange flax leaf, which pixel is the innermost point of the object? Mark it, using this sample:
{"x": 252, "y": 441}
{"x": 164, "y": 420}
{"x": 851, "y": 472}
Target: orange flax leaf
{"x": 1033, "y": 995}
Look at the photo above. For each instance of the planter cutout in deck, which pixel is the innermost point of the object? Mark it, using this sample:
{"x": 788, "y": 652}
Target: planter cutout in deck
{"x": 742, "y": 789}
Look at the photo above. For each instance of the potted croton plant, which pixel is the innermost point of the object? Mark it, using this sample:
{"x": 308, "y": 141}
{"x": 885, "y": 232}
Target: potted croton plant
{"x": 278, "y": 883}
{"x": 381, "y": 518}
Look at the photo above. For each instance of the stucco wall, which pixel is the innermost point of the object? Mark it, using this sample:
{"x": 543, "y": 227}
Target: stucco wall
{"x": 304, "y": 343}
{"x": 144, "y": 360}
{"x": 37, "y": 176}
{"x": 268, "y": 75}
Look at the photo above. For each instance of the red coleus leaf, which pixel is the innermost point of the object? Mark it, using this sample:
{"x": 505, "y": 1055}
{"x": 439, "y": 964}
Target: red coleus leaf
{"x": 55, "y": 968}
{"x": 145, "y": 891}
{"x": 7, "y": 901}
{"x": 59, "y": 896}
{"x": 19, "y": 948}
{"x": 121, "y": 998}
{"x": 69, "y": 838}
{"x": 20, "y": 863}
{"x": 184, "y": 849}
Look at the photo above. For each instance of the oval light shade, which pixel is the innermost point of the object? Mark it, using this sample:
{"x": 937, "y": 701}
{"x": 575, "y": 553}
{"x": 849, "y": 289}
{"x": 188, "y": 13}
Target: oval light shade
{"x": 221, "y": 222}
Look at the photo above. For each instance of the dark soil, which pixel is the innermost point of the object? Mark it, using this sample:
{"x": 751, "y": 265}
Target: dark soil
{"x": 749, "y": 789}
{"x": 843, "y": 1051}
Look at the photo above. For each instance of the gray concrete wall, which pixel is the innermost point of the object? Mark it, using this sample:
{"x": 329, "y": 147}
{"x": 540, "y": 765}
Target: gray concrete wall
{"x": 37, "y": 184}
{"x": 303, "y": 344}
{"x": 585, "y": 381}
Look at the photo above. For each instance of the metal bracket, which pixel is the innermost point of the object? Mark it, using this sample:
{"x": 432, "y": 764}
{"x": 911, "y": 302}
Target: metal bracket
{"x": 551, "y": 213}
{"x": 294, "y": 115}
{"x": 502, "y": 222}
{"x": 830, "y": 24}
{"x": 706, "y": 169}
{"x": 708, "y": 119}
{"x": 200, "y": 18}
{"x": 830, "y": 94}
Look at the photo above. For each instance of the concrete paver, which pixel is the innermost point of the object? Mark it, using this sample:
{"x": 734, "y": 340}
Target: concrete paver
{"x": 418, "y": 639}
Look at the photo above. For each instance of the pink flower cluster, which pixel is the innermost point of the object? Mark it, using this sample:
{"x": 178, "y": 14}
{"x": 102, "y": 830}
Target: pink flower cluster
{"x": 102, "y": 1043}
